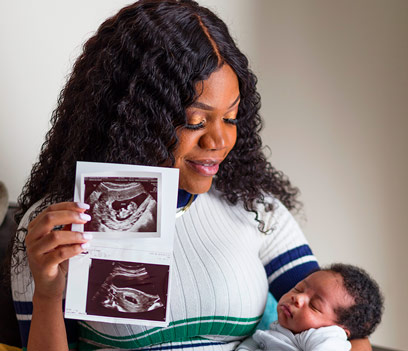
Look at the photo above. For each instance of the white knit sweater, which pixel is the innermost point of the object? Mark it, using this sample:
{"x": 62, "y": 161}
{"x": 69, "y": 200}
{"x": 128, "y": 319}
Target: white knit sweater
{"x": 222, "y": 268}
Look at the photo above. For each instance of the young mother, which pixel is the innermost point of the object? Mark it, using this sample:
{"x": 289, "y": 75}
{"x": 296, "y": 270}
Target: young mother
{"x": 163, "y": 84}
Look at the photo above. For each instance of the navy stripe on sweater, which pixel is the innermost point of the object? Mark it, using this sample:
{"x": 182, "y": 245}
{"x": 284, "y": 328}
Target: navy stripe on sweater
{"x": 287, "y": 257}
{"x": 286, "y": 281}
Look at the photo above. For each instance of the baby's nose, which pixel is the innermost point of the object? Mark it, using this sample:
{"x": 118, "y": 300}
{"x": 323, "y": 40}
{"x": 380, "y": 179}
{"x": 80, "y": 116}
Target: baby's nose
{"x": 298, "y": 299}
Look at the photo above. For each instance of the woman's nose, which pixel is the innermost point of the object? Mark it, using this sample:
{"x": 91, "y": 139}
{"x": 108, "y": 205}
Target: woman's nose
{"x": 215, "y": 137}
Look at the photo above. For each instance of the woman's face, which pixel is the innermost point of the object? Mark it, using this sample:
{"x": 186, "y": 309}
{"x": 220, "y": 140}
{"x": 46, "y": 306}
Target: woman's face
{"x": 210, "y": 133}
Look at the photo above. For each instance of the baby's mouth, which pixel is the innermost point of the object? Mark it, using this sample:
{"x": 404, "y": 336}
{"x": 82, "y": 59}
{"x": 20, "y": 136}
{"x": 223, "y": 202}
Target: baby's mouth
{"x": 286, "y": 310}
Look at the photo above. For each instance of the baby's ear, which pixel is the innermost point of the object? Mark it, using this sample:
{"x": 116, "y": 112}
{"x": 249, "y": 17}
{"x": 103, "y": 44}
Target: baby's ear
{"x": 347, "y": 331}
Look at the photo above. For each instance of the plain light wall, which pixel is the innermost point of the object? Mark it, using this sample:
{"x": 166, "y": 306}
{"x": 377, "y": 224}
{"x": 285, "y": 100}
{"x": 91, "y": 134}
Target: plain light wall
{"x": 334, "y": 82}
{"x": 40, "y": 41}
{"x": 333, "y": 77}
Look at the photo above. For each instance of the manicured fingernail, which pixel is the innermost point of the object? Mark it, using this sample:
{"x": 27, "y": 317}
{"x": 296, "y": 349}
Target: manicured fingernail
{"x": 87, "y": 236}
{"x": 83, "y": 205}
{"x": 85, "y": 217}
{"x": 84, "y": 246}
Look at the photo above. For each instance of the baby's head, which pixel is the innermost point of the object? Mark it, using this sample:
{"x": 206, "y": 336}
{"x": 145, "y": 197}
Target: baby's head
{"x": 342, "y": 295}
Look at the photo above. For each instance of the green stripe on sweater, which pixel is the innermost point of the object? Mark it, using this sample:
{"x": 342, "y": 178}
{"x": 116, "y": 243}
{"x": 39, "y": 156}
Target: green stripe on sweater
{"x": 183, "y": 330}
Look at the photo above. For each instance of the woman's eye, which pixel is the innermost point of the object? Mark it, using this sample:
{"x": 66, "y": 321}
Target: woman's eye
{"x": 195, "y": 120}
{"x": 231, "y": 117}
{"x": 194, "y": 126}
{"x": 296, "y": 289}
{"x": 233, "y": 121}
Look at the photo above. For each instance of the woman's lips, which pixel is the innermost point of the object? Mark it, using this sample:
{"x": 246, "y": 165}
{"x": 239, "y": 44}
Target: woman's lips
{"x": 208, "y": 168}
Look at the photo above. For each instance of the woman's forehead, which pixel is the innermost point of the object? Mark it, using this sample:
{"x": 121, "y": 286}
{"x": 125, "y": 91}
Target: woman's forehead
{"x": 220, "y": 90}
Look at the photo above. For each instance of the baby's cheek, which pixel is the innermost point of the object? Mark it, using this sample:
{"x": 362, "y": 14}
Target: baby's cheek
{"x": 311, "y": 321}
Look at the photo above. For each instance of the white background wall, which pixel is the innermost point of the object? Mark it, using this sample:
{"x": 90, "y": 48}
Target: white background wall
{"x": 334, "y": 80}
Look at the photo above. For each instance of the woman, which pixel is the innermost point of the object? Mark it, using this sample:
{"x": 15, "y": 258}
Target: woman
{"x": 162, "y": 83}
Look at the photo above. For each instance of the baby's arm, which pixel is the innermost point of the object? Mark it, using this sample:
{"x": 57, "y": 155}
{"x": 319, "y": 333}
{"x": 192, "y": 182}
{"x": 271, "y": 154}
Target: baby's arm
{"x": 331, "y": 338}
{"x": 249, "y": 344}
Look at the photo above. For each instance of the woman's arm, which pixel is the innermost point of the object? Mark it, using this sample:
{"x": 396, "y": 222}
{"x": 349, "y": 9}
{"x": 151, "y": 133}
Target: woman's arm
{"x": 48, "y": 251}
{"x": 285, "y": 253}
{"x": 360, "y": 345}
{"x": 47, "y": 330}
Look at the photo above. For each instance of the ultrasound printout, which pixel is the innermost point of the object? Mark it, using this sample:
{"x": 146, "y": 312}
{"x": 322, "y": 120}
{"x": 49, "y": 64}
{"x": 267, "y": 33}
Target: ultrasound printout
{"x": 127, "y": 289}
{"x": 124, "y": 275}
{"x": 125, "y": 204}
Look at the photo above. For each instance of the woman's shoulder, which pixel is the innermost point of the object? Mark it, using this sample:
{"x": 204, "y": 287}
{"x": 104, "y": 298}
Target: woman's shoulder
{"x": 21, "y": 278}
{"x": 270, "y": 214}
{"x": 281, "y": 240}
{"x": 30, "y": 214}
{"x": 274, "y": 214}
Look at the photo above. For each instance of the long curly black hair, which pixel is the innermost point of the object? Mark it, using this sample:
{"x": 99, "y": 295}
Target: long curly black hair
{"x": 127, "y": 95}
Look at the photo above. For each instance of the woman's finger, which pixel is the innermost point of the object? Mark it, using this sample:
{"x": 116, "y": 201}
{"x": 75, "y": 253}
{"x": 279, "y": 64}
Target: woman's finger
{"x": 55, "y": 239}
{"x": 50, "y": 220}
{"x": 61, "y": 206}
{"x": 62, "y": 253}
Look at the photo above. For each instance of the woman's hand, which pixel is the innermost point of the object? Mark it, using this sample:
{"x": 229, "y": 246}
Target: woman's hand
{"x": 48, "y": 250}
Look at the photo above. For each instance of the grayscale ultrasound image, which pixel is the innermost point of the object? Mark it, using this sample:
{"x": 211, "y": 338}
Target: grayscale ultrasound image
{"x": 121, "y": 204}
{"x": 127, "y": 290}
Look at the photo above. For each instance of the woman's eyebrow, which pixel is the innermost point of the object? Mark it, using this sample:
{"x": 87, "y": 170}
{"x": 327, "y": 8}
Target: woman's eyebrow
{"x": 206, "y": 107}
{"x": 235, "y": 101}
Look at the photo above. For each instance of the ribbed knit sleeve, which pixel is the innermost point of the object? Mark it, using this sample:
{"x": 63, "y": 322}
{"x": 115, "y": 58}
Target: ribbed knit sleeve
{"x": 285, "y": 253}
{"x": 22, "y": 286}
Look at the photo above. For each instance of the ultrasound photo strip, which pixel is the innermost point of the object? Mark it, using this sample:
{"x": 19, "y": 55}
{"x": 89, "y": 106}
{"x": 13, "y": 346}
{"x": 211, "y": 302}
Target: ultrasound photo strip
{"x": 121, "y": 204}
{"x": 124, "y": 275}
{"x": 127, "y": 290}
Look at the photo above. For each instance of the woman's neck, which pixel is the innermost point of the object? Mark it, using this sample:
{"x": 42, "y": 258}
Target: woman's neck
{"x": 183, "y": 198}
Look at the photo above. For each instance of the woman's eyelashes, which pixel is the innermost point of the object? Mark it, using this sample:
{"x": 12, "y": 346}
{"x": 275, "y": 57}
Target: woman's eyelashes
{"x": 198, "y": 123}
{"x": 233, "y": 121}
{"x": 195, "y": 126}
{"x": 195, "y": 120}
{"x": 231, "y": 117}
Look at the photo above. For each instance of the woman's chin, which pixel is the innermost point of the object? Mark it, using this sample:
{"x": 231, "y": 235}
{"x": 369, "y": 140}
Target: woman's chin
{"x": 197, "y": 187}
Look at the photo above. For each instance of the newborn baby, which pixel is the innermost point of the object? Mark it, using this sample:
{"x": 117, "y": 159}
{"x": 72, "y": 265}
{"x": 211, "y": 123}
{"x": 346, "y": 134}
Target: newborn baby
{"x": 322, "y": 311}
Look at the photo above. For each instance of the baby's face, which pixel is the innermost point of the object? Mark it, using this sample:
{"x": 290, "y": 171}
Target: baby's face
{"x": 313, "y": 301}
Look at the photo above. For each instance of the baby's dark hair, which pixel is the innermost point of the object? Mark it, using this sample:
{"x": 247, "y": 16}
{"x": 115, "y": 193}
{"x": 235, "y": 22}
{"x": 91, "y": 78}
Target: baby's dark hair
{"x": 362, "y": 318}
